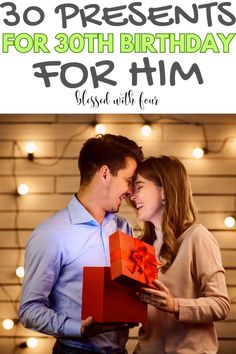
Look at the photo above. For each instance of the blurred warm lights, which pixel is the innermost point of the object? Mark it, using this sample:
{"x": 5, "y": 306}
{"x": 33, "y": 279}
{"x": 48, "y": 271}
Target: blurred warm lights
{"x": 198, "y": 153}
{"x": 20, "y": 272}
{"x": 229, "y": 221}
{"x": 146, "y": 130}
{"x": 32, "y": 342}
{"x": 100, "y": 128}
{"x": 8, "y": 324}
{"x": 30, "y": 147}
{"x": 23, "y": 189}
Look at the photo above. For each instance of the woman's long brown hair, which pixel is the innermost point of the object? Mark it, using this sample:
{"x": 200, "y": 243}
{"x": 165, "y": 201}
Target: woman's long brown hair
{"x": 179, "y": 210}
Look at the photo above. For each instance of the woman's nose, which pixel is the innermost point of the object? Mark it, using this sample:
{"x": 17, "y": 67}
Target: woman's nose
{"x": 133, "y": 196}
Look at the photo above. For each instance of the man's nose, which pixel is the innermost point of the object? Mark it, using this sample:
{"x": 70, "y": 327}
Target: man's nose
{"x": 133, "y": 195}
{"x": 130, "y": 191}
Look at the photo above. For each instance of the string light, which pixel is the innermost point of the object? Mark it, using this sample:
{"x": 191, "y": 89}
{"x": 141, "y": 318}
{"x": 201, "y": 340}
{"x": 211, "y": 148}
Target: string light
{"x": 198, "y": 153}
{"x": 20, "y": 272}
{"x": 30, "y": 343}
{"x": 23, "y": 189}
{"x": 30, "y": 148}
{"x": 146, "y": 130}
{"x": 8, "y": 324}
{"x": 100, "y": 128}
{"x": 229, "y": 221}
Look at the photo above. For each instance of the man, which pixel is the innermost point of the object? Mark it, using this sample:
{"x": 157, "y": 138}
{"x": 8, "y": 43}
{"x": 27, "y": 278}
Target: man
{"x": 75, "y": 237}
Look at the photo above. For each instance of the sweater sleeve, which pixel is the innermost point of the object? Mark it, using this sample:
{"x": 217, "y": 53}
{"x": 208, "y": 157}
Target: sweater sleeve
{"x": 213, "y": 303}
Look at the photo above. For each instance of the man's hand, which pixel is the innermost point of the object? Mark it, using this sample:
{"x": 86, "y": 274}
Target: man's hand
{"x": 85, "y": 324}
{"x": 90, "y": 328}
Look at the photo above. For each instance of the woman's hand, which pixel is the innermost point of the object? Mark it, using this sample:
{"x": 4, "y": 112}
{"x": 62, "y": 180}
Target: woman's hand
{"x": 160, "y": 297}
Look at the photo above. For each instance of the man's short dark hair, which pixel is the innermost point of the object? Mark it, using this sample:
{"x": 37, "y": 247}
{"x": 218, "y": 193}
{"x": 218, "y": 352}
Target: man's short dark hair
{"x": 111, "y": 150}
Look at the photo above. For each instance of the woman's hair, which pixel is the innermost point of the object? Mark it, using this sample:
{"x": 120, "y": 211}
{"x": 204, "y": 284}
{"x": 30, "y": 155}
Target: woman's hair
{"x": 179, "y": 210}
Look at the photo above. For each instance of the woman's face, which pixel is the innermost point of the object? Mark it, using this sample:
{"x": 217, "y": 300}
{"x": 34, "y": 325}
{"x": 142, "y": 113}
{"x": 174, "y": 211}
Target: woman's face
{"x": 148, "y": 199}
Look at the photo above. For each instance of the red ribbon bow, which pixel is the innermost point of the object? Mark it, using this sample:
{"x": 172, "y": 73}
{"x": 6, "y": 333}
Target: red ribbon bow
{"x": 144, "y": 263}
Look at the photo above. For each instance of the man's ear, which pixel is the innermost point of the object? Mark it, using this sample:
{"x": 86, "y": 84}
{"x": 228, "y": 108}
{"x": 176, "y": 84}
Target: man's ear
{"x": 105, "y": 173}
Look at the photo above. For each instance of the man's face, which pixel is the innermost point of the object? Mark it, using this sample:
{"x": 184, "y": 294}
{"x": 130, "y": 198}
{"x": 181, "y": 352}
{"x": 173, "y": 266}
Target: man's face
{"x": 120, "y": 186}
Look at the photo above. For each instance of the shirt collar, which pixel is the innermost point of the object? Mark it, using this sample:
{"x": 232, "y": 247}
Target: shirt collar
{"x": 80, "y": 215}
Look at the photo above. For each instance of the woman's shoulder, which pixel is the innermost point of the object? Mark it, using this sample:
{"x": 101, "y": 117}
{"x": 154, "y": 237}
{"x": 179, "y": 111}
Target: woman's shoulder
{"x": 196, "y": 228}
{"x": 198, "y": 233}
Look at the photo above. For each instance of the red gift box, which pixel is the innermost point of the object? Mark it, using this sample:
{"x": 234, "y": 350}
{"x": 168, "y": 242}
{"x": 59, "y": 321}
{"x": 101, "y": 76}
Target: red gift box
{"x": 133, "y": 262}
{"x": 108, "y": 301}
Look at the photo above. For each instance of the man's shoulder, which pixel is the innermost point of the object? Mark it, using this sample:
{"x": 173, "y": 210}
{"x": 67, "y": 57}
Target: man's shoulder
{"x": 122, "y": 223}
{"x": 55, "y": 221}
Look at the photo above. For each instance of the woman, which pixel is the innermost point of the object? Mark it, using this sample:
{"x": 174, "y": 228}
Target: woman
{"x": 191, "y": 291}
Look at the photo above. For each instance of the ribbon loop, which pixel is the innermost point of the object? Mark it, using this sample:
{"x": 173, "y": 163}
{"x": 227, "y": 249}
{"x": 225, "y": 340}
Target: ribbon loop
{"x": 143, "y": 263}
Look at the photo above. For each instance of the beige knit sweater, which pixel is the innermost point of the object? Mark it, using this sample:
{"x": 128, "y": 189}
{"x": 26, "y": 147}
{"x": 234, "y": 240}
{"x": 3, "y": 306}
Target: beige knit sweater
{"x": 197, "y": 279}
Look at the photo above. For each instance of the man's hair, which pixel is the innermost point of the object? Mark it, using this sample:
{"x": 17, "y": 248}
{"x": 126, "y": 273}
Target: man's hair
{"x": 108, "y": 149}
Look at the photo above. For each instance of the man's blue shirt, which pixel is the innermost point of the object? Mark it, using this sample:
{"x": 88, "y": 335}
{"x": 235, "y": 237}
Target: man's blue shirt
{"x": 56, "y": 253}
